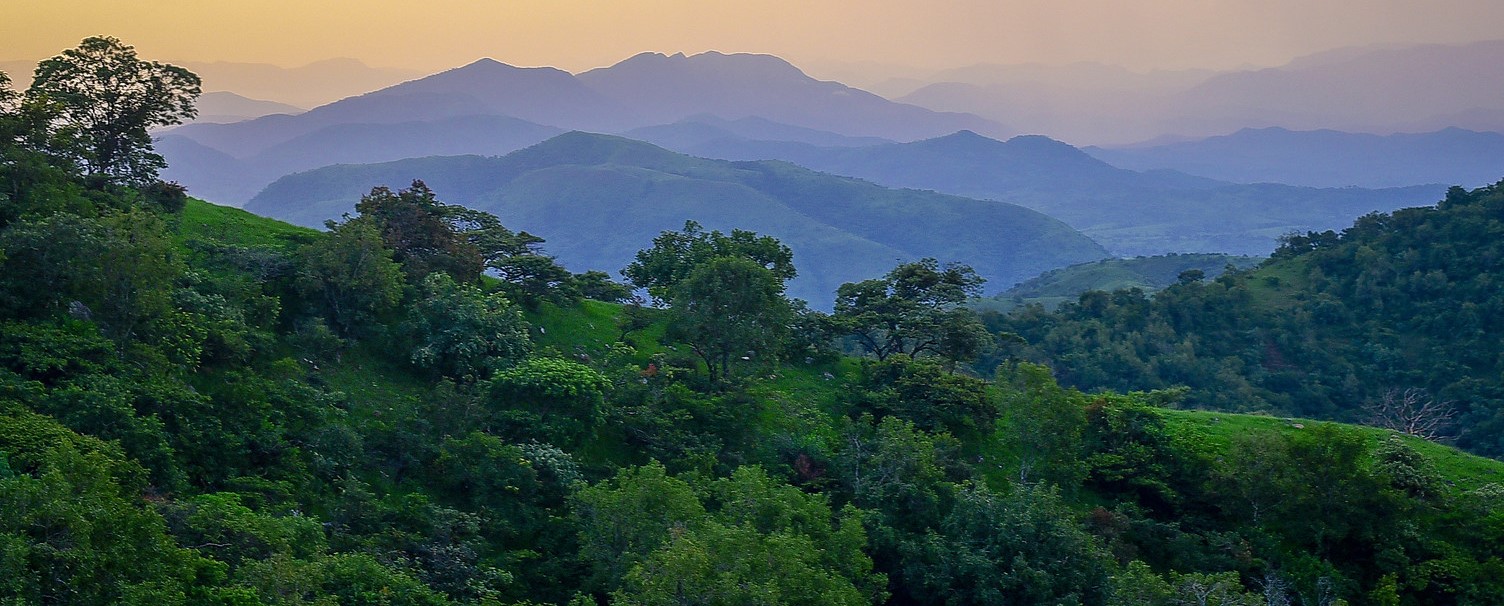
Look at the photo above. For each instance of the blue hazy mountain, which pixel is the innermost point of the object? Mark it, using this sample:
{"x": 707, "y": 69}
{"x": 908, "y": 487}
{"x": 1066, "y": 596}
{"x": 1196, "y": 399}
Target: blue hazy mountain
{"x": 1129, "y": 212}
{"x": 217, "y": 176}
{"x": 756, "y": 96}
{"x": 1327, "y": 158}
{"x": 599, "y": 199}
{"x": 665, "y": 89}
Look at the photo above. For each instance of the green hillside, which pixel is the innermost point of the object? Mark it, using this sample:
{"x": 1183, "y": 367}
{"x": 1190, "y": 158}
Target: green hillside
{"x": 597, "y": 199}
{"x": 1148, "y": 274}
{"x": 1329, "y": 327}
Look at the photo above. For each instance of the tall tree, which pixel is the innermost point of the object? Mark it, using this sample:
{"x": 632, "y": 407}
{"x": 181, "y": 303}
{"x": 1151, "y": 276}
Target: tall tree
{"x": 676, "y": 254}
{"x": 727, "y": 309}
{"x": 914, "y": 310}
{"x": 414, "y": 225}
{"x": 110, "y": 98}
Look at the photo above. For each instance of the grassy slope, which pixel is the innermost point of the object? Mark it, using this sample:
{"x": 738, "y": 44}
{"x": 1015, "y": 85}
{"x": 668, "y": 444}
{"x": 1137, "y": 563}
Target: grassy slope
{"x": 232, "y": 226}
{"x": 1218, "y": 430}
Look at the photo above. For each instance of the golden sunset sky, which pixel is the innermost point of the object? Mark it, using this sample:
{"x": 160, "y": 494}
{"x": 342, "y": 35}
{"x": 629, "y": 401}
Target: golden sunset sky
{"x": 581, "y": 34}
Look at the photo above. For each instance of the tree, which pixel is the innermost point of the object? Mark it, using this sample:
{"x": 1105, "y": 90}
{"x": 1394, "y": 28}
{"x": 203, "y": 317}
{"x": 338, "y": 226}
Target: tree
{"x": 111, "y": 99}
{"x": 624, "y": 518}
{"x": 1412, "y": 412}
{"x": 463, "y": 334}
{"x": 351, "y": 276}
{"x": 923, "y": 392}
{"x": 560, "y": 401}
{"x": 675, "y": 255}
{"x": 9, "y": 98}
{"x": 728, "y": 309}
{"x": 415, "y": 225}
{"x": 1020, "y": 547}
{"x": 914, "y": 310}
{"x": 1043, "y": 424}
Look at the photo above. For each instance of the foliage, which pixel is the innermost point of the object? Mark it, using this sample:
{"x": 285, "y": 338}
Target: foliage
{"x": 351, "y": 277}
{"x": 758, "y": 540}
{"x": 460, "y": 333}
{"x": 557, "y": 400}
{"x": 915, "y": 310}
{"x": 676, "y": 255}
{"x": 413, "y": 224}
{"x": 109, "y": 99}
{"x": 1333, "y": 322}
{"x": 922, "y": 392}
{"x": 1020, "y": 547}
{"x": 728, "y": 309}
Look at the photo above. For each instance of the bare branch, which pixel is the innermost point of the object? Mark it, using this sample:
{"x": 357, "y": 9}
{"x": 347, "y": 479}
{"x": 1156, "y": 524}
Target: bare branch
{"x": 1413, "y": 412}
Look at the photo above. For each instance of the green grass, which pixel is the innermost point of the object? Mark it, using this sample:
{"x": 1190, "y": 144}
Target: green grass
{"x": 202, "y": 220}
{"x": 1218, "y": 431}
{"x": 590, "y": 328}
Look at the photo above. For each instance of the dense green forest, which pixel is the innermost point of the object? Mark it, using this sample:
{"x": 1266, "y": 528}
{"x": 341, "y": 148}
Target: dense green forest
{"x": 1395, "y": 321}
{"x": 417, "y": 406}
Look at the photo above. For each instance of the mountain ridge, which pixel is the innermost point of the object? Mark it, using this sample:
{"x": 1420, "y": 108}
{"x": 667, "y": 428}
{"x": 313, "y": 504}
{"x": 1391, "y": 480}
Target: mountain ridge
{"x": 577, "y": 186}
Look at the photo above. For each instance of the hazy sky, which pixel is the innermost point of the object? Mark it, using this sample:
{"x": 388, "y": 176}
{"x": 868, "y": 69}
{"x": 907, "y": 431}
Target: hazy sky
{"x": 580, "y": 34}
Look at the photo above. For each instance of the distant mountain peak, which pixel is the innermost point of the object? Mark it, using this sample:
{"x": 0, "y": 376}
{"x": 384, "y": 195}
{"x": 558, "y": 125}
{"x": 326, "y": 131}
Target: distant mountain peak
{"x": 747, "y": 64}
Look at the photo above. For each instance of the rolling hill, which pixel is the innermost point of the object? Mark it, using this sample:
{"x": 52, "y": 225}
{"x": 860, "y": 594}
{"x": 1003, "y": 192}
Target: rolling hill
{"x": 1129, "y": 212}
{"x": 599, "y": 199}
{"x": 1148, "y": 274}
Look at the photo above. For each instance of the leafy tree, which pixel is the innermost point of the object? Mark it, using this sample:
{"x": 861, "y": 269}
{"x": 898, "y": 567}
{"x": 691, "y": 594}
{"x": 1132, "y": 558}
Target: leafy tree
{"x": 730, "y": 309}
{"x": 222, "y": 525}
{"x": 921, "y": 391}
{"x": 427, "y": 235}
{"x": 9, "y": 98}
{"x": 76, "y": 531}
{"x": 598, "y": 286}
{"x": 349, "y": 578}
{"x": 900, "y": 472}
{"x": 117, "y": 270}
{"x": 415, "y": 225}
{"x": 914, "y": 310}
{"x": 1021, "y": 547}
{"x": 350, "y": 276}
{"x": 628, "y": 516}
{"x": 1043, "y": 425}
{"x": 675, "y": 255}
{"x": 560, "y": 401}
{"x": 62, "y": 251}
{"x": 110, "y": 99}
{"x": 463, "y": 334}
{"x": 35, "y": 177}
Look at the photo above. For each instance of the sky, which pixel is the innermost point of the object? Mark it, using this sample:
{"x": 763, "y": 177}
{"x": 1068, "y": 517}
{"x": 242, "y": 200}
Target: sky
{"x": 580, "y": 34}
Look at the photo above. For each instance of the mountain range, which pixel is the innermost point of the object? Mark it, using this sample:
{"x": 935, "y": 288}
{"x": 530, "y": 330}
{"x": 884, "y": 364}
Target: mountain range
{"x": 224, "y": 106}
{"x": 308, "y": 85}
{"x": 1327, "y": 158}
{"x": 1377, "y": 90}
{"x": 406, "y": 120}
{"x": 1129, "y": 212}
{"x": 600, "y": 198}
